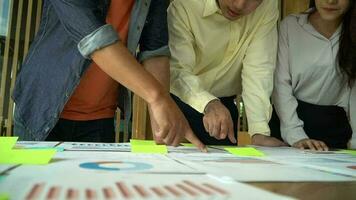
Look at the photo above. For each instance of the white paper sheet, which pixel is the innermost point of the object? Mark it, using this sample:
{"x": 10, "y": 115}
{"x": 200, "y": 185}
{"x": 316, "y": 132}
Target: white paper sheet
{"x": 255, "y": 170}
{"x": 130, "y": 186}
{"x": 85, "y": 162}
{"x": 331, "y": 162}
{"x": 88, "y": 146}
{"x": 35, "y": 144}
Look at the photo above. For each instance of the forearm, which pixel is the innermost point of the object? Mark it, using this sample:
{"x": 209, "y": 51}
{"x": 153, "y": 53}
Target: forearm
{"x": 159, "y": 68}
{"x": 118, "y": 63}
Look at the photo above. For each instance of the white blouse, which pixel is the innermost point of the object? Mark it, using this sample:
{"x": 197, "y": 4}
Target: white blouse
{"x": 307, "y": 70}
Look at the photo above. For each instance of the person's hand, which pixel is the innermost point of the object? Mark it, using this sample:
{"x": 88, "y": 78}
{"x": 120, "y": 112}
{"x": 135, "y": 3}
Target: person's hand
{"x": 169, "y": 124}
{"x": 307, "y": 143}
{"x": 262, "y": 140}
{"x": 217, "y": 121}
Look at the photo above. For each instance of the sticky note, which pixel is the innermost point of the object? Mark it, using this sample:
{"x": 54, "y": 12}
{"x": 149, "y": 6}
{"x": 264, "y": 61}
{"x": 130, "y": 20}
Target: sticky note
{"x": 142, "y": 142}
{"x": 7, "y": 143}
{"x": 147, "y": 146}
{"x": 187, "y": 144}
{"x": 4, "y": 196}
{"x": 23, "y": 156}
{"x": 223, "y": 146}
{"x": 28, "y": 156}
{"x": 351, "y": 152}
{"x": 245, "y": 151}
{"x": 157, "y": 149}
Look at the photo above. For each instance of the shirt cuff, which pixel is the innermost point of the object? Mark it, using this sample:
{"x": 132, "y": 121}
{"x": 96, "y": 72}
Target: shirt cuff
{"x": 259, "y": 128}
{"x": 293, "y": 135}
{"x": 199, "y": 102}
{"x": 98, "y": 39}
{"x": 163, "y": 51}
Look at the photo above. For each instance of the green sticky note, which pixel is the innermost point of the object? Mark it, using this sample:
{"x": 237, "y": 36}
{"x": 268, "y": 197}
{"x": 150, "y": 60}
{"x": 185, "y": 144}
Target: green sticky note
{"x": 245, "y": 151}
{"x": 142, "y": 142}
{"x": 188, "y": 144}
{"x": 22, "y": 156}
{"x": 222, "y": 146}
{"x": 4, "y": 196}
{"x": 6, "y": 143}
{"x": 28, "y": 156}
{"x": 351, "y": 152}
{"x": 156, "y": 149}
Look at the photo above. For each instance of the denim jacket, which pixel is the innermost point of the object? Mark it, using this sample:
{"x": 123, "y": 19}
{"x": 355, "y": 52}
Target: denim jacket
{"x": 70, "y": 31}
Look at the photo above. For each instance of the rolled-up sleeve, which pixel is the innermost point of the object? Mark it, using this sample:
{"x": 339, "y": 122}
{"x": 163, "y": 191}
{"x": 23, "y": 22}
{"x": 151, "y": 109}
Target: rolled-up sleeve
{"x": 257, "y": 74}
{"x": 82, "y": 23}
{"x": 154, "y": 38}
{"x": 184, "y": 83}
{"x": 283, "y": 99}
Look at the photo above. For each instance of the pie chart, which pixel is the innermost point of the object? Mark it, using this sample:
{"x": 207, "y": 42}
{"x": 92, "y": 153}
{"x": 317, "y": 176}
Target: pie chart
{"x": 116, "y": 166}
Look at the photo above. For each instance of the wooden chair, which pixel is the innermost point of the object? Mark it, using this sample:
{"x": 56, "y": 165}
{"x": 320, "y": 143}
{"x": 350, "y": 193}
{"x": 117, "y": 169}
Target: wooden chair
{"x": 141, "y": 127}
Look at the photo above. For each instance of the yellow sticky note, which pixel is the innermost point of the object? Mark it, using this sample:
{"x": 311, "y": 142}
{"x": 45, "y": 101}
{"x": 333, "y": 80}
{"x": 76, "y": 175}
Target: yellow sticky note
{"x": 30, "y": 156}
{"x": 142, "y": 142}
{"x": 188, "y": 144}
{"x": 157, "y": 149}
{"x": 245, "y": 151}
{"x": 6, "y": 143}
{"x": 351, "y": 152}
{"x": 4, "y": 196}
{"x": 222, "y": 146}
{"x": 22, "y": 156}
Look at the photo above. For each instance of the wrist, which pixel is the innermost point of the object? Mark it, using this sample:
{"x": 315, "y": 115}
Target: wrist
{"x": 157, "y": 96}
{"x": 206, "y": 109}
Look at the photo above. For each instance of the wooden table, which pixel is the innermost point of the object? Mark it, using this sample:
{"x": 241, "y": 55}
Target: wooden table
{"x": 312, "y": 190}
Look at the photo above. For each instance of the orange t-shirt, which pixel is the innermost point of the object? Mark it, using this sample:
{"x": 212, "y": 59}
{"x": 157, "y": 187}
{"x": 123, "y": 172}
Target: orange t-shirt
{"x": 96, "y": 95}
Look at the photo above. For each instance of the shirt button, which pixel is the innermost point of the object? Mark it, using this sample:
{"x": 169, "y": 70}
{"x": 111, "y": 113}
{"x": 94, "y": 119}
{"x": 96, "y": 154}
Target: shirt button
{"x": 146, "y": 4}
{"x": 138, "y": 28}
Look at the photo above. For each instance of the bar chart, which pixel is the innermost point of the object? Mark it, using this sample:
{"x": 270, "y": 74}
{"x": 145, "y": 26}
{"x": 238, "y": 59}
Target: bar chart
{"x": 186, "y": 189}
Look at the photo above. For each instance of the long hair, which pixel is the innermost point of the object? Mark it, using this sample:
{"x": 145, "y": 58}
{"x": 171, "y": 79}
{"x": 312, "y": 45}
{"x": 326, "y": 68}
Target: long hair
{"x": 347, "y": 48}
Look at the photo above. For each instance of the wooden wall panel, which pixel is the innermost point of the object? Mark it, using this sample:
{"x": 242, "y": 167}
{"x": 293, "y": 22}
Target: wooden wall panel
{"x": 294, "y": 6}
{"x": 23, "y": 20}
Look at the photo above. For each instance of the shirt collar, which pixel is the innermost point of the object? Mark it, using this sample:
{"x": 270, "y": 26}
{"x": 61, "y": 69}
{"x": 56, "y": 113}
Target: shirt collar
{"x": 303, "y": 20}
{"x": 211, "y": 7}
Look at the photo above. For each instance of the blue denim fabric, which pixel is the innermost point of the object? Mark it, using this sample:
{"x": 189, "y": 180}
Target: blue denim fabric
{"x": 70, "y": 31}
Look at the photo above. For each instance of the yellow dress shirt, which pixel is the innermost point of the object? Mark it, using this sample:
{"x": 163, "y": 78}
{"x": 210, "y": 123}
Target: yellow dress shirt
{"x": 215, "y": 57}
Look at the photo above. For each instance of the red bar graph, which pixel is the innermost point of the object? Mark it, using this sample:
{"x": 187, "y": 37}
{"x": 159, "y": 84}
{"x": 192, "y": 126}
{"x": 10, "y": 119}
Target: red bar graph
{"x": 141, "y": 191}
{"x": 90, "y": 194}
{"x": 127, "y": 190}
{"x": 72, "y": 194}
{"x": 35, "y": 191}
{"x": 53, "y": 192}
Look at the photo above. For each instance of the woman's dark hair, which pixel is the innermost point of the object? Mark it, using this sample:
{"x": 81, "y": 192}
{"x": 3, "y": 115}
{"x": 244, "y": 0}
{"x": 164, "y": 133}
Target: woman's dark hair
{"x": 347, "y": 48}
